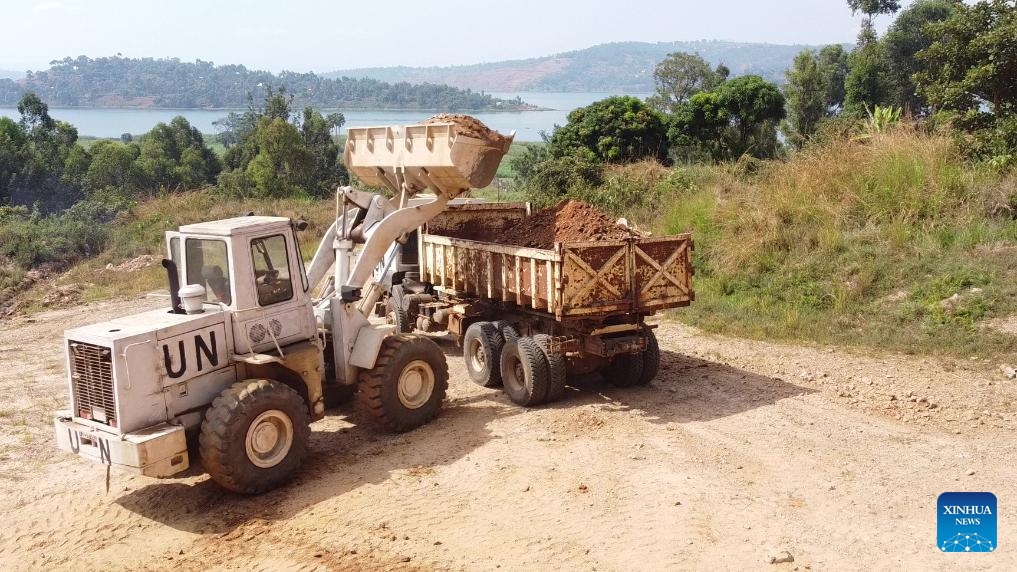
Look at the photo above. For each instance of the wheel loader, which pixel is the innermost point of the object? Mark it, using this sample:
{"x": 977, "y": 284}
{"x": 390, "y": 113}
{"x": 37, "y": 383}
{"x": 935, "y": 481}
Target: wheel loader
{"x": 243, "y": 359}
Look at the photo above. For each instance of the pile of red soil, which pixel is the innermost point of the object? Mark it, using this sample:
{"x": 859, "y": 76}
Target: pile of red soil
{"x": 468, "y": 126}
{"x": 568, "y": 221}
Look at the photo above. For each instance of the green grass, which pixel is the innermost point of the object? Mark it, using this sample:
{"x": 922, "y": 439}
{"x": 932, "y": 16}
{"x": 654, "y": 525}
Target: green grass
{"x": 854, "y": 244}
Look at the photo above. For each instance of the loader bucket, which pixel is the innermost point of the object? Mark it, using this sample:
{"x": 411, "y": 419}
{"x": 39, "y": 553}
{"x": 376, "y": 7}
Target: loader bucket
{"x": 441, "y": 156}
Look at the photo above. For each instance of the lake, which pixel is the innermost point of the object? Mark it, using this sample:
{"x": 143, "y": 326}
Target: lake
{"x": 527, "y": 124}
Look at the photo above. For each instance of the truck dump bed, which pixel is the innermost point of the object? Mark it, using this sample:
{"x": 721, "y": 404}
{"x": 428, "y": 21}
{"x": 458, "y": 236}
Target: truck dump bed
{"x": 570, "y": 281}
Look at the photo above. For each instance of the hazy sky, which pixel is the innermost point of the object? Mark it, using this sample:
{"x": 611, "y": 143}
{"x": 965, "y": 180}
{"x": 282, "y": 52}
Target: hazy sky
{"x": 311, "y": 35}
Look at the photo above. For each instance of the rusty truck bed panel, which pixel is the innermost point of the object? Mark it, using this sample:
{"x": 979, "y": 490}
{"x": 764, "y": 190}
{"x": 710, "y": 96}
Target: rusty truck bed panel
{"x": 574, "y": 280}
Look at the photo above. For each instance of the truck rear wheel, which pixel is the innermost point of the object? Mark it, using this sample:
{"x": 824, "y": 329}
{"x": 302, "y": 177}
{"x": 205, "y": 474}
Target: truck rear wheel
{"x": 651, "y": 359}
{"x": 398, "y": 316}
{"x": 625, "y": 370}
{"x": 556, "y": 370}
{"x": 405, "y": 388}
{"x": 482, "y": 347}
{"x": 254, "y": 436}
{"x": 508, "y": 332}
{"x": 524, "y": 372}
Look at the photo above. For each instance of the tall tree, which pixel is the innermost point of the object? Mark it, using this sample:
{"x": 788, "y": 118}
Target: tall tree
{"x": 869, "y": 82}
{"x": 833, "y": 61}
{"x": 679, "y": 76}
{"x": 806, "y": 90}
{"x": 871, "y": 9}
{"x": 907, "y": 36}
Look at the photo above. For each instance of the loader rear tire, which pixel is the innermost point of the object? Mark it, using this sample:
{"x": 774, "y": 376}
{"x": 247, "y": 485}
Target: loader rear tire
{"x": 556, "y": 369}
{"x": 405, "y": 388}
{"x": 254, "y": 436}
{"x": 482, "y": 347}
{"x": 524, "y": 372}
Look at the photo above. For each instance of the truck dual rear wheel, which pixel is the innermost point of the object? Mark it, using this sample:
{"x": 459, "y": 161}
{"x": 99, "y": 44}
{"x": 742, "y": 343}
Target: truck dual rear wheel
{"x": 254, "y": 436}
{"x": 482, "y": 346}
{"x": 405, "y": 388}
{"x": 556, "y": 369}
{"x": 651, "y": 359}
{"x": 524, "y": 372}
{"x": 625, "y": 370}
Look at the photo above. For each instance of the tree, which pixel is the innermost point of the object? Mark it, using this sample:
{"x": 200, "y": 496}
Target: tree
{"x": 282, "y": 162}
{"x": 112, "y": 169}
{"x": 163, "y": 151}
{"x": 871, "y": 8}
{"x": 869, "y": 82}
{"x": 679, "y": 76}
{"x": 335, "y": 122}
{"x": 617, "y": 129}
{"x": 908, "y": 36}
{"x": 973, "y": 60}
{"x": 738, "y": 118}
{"x": 833, "y": 61}
{"x": 806, "y": 91}
{"x": 35, "y": 113}
{"x": 326, "y": 171}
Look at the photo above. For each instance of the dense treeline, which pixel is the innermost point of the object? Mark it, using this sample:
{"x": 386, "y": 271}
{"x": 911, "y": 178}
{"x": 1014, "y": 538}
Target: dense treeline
{"x": 170, "y": 83}
{"x": 57, "y": 198}
{"x": 943, "y": 65}
{"x": 944, "y": 62}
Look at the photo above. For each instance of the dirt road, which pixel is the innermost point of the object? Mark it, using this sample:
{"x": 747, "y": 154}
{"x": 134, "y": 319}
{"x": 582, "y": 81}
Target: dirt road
{"x": 738, "y": 451}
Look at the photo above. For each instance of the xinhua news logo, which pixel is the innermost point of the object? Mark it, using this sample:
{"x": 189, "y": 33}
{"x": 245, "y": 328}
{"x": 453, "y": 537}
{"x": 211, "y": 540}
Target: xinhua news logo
{"x": 967, "y": 522}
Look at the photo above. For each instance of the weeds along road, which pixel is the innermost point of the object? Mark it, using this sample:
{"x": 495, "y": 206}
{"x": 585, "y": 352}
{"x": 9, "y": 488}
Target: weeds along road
{"x": 739, "y": 451}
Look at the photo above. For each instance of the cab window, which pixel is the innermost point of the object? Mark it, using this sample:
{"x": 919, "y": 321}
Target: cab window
{"x": 270, "y": 260}
{"x": 208, "y": 265}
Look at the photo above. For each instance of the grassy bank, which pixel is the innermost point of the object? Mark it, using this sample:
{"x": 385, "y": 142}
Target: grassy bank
{"x": 893, "y": 242}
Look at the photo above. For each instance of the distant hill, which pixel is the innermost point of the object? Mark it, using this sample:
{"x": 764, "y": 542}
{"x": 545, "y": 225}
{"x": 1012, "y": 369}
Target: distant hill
{"x": 615, "y": 67}
{"x": 169, "y": 83}
{"x": 11, "y": 74}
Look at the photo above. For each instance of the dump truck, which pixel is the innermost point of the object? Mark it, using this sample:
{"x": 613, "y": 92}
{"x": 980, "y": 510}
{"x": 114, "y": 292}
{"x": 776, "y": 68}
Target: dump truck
{"x": 241, "y": 363}
{"x": 529, "y": 318}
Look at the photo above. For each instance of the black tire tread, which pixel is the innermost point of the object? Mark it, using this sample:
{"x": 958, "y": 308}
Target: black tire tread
{"x": 556, "y": 369}
{"x": 226, "y": 460}
{"x": 371, "y": 390}
{"x": 493, "y": 342}
{"x": 535, "y": 367}
{"x": 625, "y": 370}
{"x": 651, "y": 359}
{"x": 508, "y": 332}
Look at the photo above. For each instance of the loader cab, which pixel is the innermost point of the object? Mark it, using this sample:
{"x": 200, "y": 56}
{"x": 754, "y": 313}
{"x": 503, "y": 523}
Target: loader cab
{"x": 251, "y": 268}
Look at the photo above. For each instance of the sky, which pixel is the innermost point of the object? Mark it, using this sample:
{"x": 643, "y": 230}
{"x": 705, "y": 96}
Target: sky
{"x": 321, "y": 36}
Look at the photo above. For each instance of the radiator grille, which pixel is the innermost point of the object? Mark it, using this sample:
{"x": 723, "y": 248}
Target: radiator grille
{"x": 92, "y": 378}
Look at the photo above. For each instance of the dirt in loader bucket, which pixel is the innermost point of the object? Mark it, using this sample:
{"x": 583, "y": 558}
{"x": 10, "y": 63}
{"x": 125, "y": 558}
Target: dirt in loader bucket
{"x": 468, "y": 126}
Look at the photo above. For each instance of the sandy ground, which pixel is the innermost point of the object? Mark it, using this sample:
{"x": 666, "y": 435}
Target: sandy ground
{"x": 739, "y": 451}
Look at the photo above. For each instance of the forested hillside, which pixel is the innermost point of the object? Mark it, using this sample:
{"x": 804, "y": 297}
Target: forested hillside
{"x": 616, "y": 67}
{"x": 171, "y": 83}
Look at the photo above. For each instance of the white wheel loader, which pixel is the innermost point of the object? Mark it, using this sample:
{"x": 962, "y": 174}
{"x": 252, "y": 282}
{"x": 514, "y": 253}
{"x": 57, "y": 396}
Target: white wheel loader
{"x": 245, "y": 356}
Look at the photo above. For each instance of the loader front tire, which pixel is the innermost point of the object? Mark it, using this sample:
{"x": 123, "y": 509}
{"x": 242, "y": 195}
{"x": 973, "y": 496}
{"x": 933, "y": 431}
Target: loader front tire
{"x": 482, "y": 347}
{"x": 405, "y": 388}
{"x": 254, "y": 436}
